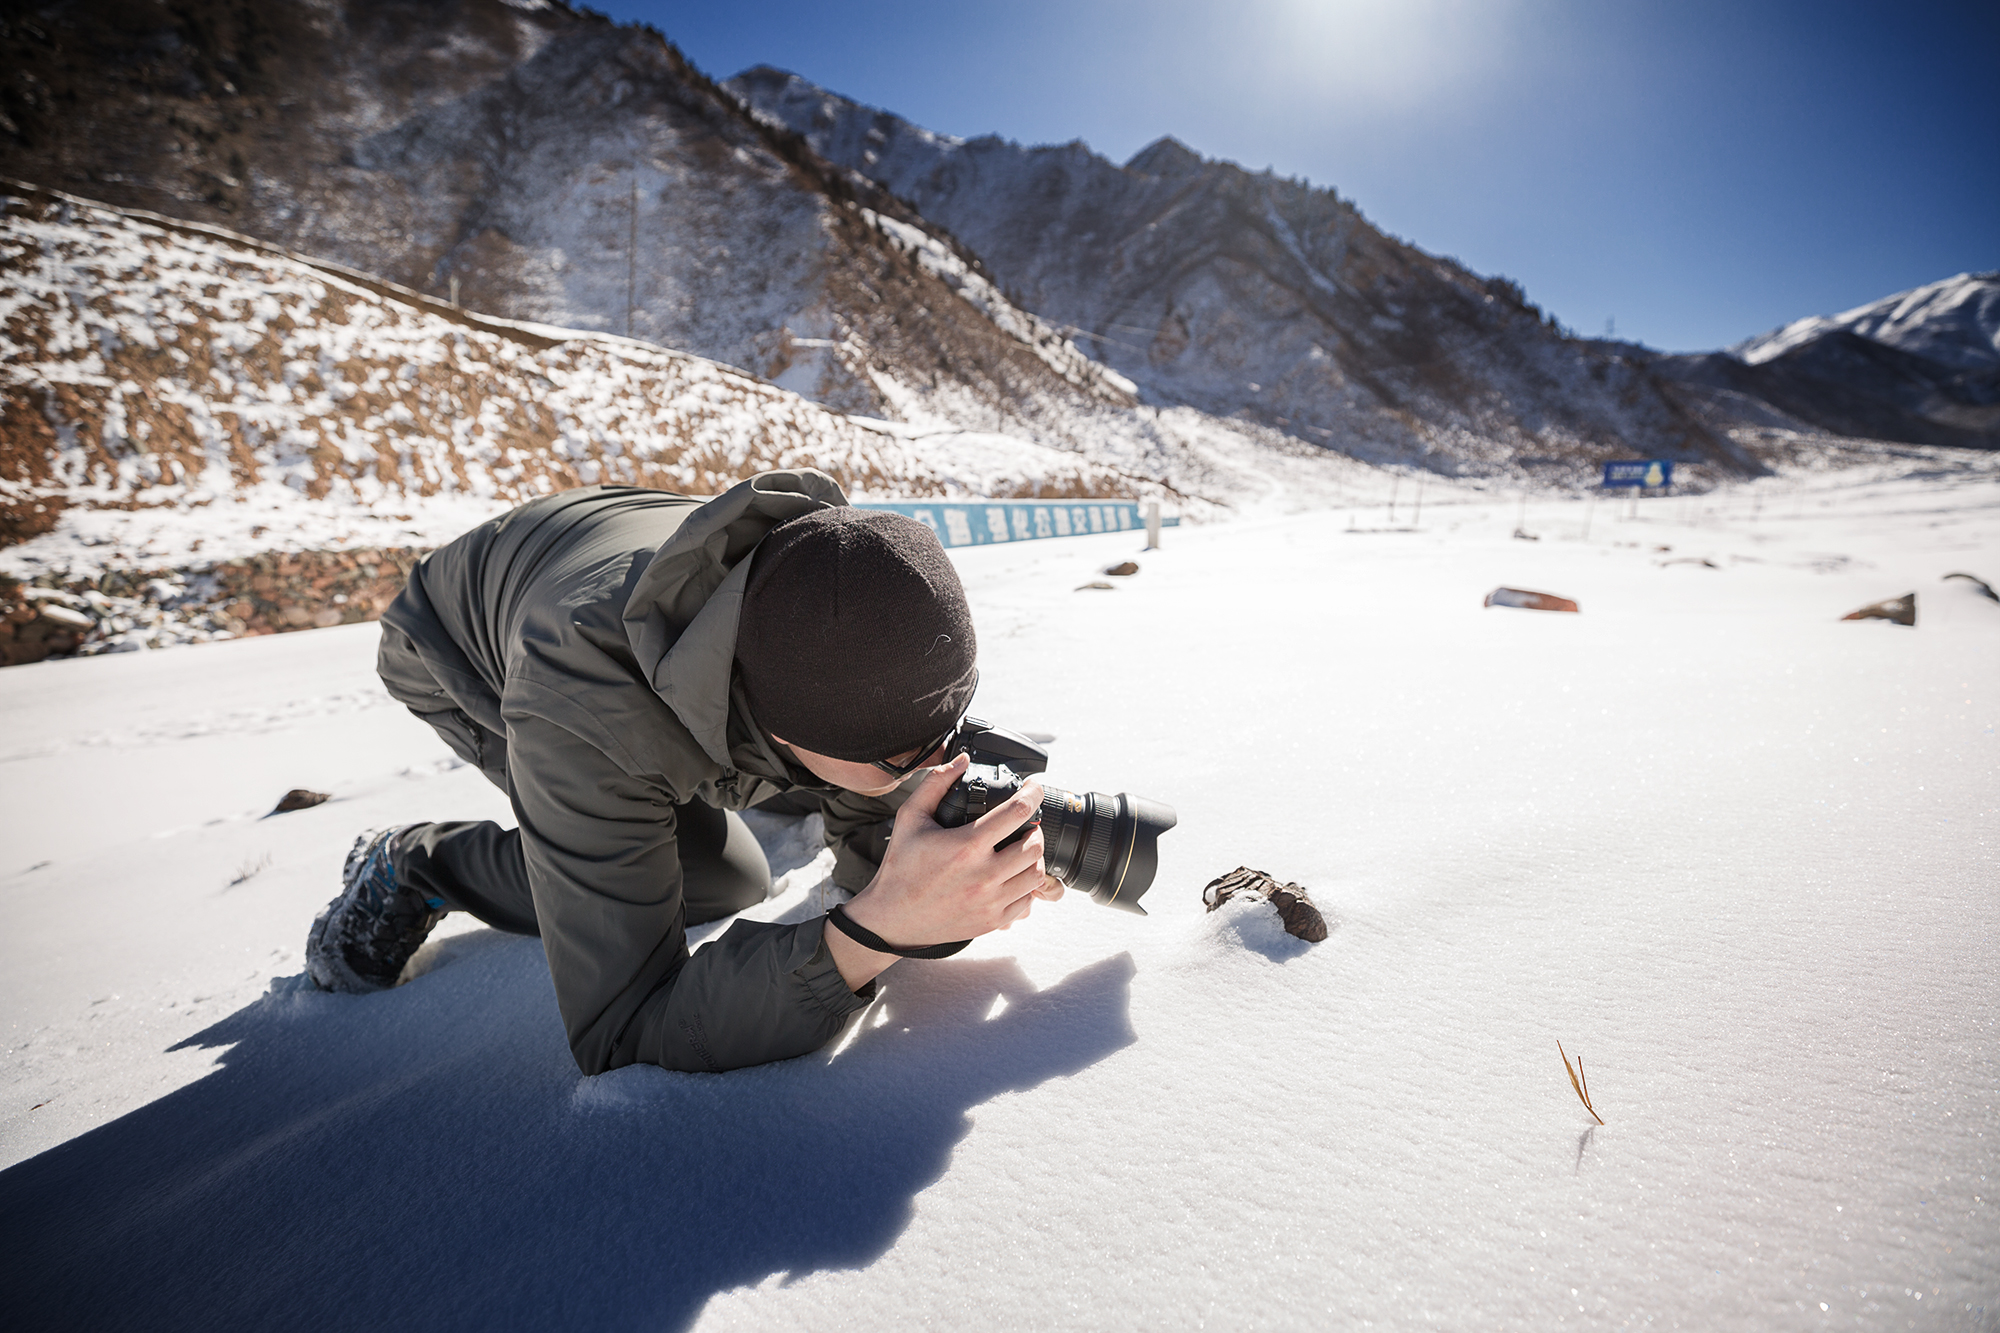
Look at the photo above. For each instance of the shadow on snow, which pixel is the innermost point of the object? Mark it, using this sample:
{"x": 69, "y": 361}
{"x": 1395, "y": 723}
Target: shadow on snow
{"x": 429, "y": 1156}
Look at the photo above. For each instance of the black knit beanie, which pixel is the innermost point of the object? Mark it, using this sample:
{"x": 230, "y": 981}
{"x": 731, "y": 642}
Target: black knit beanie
{"x": 855, "y": 639}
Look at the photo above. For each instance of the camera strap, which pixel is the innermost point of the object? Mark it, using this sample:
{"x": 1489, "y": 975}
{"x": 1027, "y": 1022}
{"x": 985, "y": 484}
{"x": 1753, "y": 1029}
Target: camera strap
{"x": 868, "y": 939}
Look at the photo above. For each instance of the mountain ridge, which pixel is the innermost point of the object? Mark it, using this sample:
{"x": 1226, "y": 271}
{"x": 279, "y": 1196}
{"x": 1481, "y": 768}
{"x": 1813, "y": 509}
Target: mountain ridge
{"x": 1919, "y": 367}
{"x": 569, "y": 171}
{"x": 1242, "y": 293}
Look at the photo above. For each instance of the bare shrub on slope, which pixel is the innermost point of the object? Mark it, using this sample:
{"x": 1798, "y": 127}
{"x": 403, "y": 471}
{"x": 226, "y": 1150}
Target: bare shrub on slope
{"x": 149, "y": 364}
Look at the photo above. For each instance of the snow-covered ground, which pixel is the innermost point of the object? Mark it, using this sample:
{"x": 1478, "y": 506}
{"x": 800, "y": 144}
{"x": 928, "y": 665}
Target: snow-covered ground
{"x": 1736, "y": 854}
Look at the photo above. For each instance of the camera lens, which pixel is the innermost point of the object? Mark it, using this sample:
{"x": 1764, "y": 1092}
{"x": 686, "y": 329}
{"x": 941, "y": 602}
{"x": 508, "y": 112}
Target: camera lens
{"x": 1105, "y": 846}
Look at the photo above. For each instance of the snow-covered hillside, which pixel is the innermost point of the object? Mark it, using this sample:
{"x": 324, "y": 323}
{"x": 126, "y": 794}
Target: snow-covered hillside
{"x": 177, "y": 396}
{"x": 1734, "y": 853}
{"x": 1955, "y": 322}
{"x": 534, "y": 162}
{"x": 152, "y": 367}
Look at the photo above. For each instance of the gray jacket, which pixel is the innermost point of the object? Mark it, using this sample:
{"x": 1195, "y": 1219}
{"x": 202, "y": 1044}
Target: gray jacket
{"x": 595, "y": 631}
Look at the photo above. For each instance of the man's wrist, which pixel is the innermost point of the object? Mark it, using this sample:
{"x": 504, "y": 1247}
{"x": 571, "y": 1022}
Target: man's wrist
{"x": 858, "y": 963}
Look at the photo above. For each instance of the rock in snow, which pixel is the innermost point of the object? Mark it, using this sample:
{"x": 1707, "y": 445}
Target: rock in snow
{"x": 1897, "y": 610}
{"x": 1529, "y": 601}
{"x": 1293, "y": 906}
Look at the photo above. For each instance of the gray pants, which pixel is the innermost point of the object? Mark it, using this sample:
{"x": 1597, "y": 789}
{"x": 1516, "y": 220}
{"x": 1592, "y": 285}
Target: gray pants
{"x": 477, "y": 866}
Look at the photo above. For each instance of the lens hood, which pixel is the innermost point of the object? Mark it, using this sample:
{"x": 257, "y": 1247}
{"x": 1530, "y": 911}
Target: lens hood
{"x": 1135, "y": 852}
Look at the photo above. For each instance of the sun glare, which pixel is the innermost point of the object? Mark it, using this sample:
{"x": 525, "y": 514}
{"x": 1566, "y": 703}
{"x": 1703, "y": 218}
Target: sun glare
{"x": 1385, "y": 53}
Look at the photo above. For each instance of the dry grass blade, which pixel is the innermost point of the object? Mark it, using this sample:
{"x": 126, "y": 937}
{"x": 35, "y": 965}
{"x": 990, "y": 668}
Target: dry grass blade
{"x": 1582, "y": 1088}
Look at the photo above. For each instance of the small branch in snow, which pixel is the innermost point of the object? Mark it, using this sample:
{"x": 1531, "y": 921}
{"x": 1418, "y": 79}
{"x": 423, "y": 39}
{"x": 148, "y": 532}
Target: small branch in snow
{"x": 1577, "y": 1081}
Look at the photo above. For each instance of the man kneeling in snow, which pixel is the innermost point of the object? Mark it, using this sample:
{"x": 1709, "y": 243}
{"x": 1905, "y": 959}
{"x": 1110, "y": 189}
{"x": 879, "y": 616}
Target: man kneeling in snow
{"x": 632, "y": 667}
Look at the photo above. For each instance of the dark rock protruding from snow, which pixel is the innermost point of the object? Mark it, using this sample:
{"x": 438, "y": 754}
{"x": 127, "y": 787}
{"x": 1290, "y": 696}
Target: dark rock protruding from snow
{"x": 1294, "y": 908}
{"x": 1896, "y": 610}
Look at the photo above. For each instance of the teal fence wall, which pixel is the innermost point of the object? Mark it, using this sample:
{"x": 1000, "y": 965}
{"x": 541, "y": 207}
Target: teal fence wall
{"x": 985, "y": 522}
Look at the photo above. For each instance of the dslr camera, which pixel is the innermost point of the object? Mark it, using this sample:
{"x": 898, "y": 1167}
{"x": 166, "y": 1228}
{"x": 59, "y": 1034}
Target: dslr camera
{"x": 1105, "y": 846}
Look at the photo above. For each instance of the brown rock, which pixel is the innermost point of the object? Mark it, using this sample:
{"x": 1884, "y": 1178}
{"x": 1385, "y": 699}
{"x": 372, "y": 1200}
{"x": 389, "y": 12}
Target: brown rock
{"x": 1530, "y": 601}
{"x": 1896, "y": 610}
{"x": 1301, "y": 918}
{"x": 1124, "y": 567}
{"x": 299, "y": 798}
{"x": 1294, "y": 908}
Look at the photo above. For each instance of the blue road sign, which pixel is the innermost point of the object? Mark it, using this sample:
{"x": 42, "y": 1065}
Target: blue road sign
{"x": 1646, "y": 472}
{"x": 984, "y": 522}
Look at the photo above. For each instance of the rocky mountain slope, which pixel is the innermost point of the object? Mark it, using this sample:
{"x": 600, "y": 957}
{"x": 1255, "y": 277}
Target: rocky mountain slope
{"x": 1247, "y": 295}
{"x": 547, "y": 165}
{"x": 536, "y": 163}
{"x": 1921, "y": 367}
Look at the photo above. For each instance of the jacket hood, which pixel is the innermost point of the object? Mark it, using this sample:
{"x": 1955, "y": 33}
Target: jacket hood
{"x": 682, "y": 614}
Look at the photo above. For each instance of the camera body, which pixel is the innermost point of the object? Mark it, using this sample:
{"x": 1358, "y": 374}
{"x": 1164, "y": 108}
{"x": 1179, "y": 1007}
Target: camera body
{"x": 1105, "y": 846}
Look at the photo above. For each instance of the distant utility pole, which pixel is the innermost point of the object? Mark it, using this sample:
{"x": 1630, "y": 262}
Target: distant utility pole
{"x": 632, "y": 257}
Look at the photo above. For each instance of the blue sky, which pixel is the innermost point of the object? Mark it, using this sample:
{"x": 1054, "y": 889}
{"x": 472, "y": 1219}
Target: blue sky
{"x": 1697, "y": 171}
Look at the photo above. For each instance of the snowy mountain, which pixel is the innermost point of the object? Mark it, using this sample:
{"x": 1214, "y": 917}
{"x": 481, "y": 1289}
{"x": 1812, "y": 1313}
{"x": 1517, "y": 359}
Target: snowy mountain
{"x": 535, "y": 163}
{"x": 1955, "y": 322}
{"x": 1247, "y": 295}
{"x": 550, "y": 166}
{"x": 1922, "y": 366}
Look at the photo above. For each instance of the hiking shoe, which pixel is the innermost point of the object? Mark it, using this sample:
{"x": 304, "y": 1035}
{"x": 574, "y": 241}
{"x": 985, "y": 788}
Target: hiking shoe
{"x": 365, "y": 936}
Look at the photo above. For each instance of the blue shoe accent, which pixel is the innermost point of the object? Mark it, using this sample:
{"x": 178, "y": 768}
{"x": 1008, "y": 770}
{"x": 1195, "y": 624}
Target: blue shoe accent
{"x": 366, "y": 936}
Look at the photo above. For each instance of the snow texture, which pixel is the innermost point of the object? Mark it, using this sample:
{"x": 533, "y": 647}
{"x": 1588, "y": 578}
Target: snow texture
{"x": 1734, "y": 853}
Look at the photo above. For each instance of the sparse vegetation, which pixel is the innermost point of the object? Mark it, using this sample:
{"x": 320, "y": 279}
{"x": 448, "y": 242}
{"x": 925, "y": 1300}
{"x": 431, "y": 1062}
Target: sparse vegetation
{"x": 1576, "y": 1080}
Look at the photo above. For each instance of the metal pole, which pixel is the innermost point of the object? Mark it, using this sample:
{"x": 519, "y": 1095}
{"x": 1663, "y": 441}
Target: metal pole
{"x": 632, "y": 256}
{"x": 1152, "y": 525}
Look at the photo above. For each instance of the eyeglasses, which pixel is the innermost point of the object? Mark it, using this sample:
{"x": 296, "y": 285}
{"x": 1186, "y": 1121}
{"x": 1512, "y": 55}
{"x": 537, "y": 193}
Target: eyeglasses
{"x": 923, "y": 756}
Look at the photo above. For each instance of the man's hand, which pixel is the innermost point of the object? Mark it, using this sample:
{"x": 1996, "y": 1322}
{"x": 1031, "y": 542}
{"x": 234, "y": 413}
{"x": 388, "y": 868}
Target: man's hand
{"x": 938, "y": 884}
